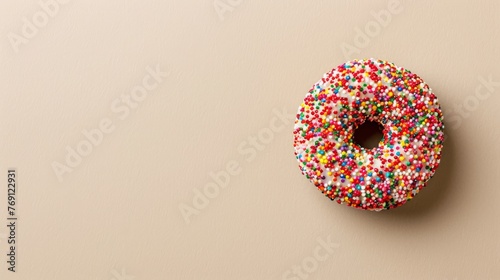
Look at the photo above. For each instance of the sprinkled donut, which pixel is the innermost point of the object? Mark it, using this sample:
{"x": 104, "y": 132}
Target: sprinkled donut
{"x": 390, "y": 174}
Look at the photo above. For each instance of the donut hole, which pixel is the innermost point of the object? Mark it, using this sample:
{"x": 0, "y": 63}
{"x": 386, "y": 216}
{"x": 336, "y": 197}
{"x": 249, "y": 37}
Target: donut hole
{"x": 368, "y": 134}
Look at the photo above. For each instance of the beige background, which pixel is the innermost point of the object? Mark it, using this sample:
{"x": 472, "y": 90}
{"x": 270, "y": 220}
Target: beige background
{"x": 116, "y": 215}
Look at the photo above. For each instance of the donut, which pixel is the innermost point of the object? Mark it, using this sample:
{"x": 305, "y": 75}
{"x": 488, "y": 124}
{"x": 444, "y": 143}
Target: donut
{"x": 390, "y": 174}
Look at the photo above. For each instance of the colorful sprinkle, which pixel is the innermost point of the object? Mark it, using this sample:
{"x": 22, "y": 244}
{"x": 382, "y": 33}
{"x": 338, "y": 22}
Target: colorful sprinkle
{"x": 406, "y": 158}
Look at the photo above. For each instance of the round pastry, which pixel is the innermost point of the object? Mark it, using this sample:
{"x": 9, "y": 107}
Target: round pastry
{"x": 390, "y": 174}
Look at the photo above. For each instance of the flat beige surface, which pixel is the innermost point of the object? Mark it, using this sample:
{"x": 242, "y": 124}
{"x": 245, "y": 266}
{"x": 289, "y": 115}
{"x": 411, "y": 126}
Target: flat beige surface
{"x": 234, "y": 76}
